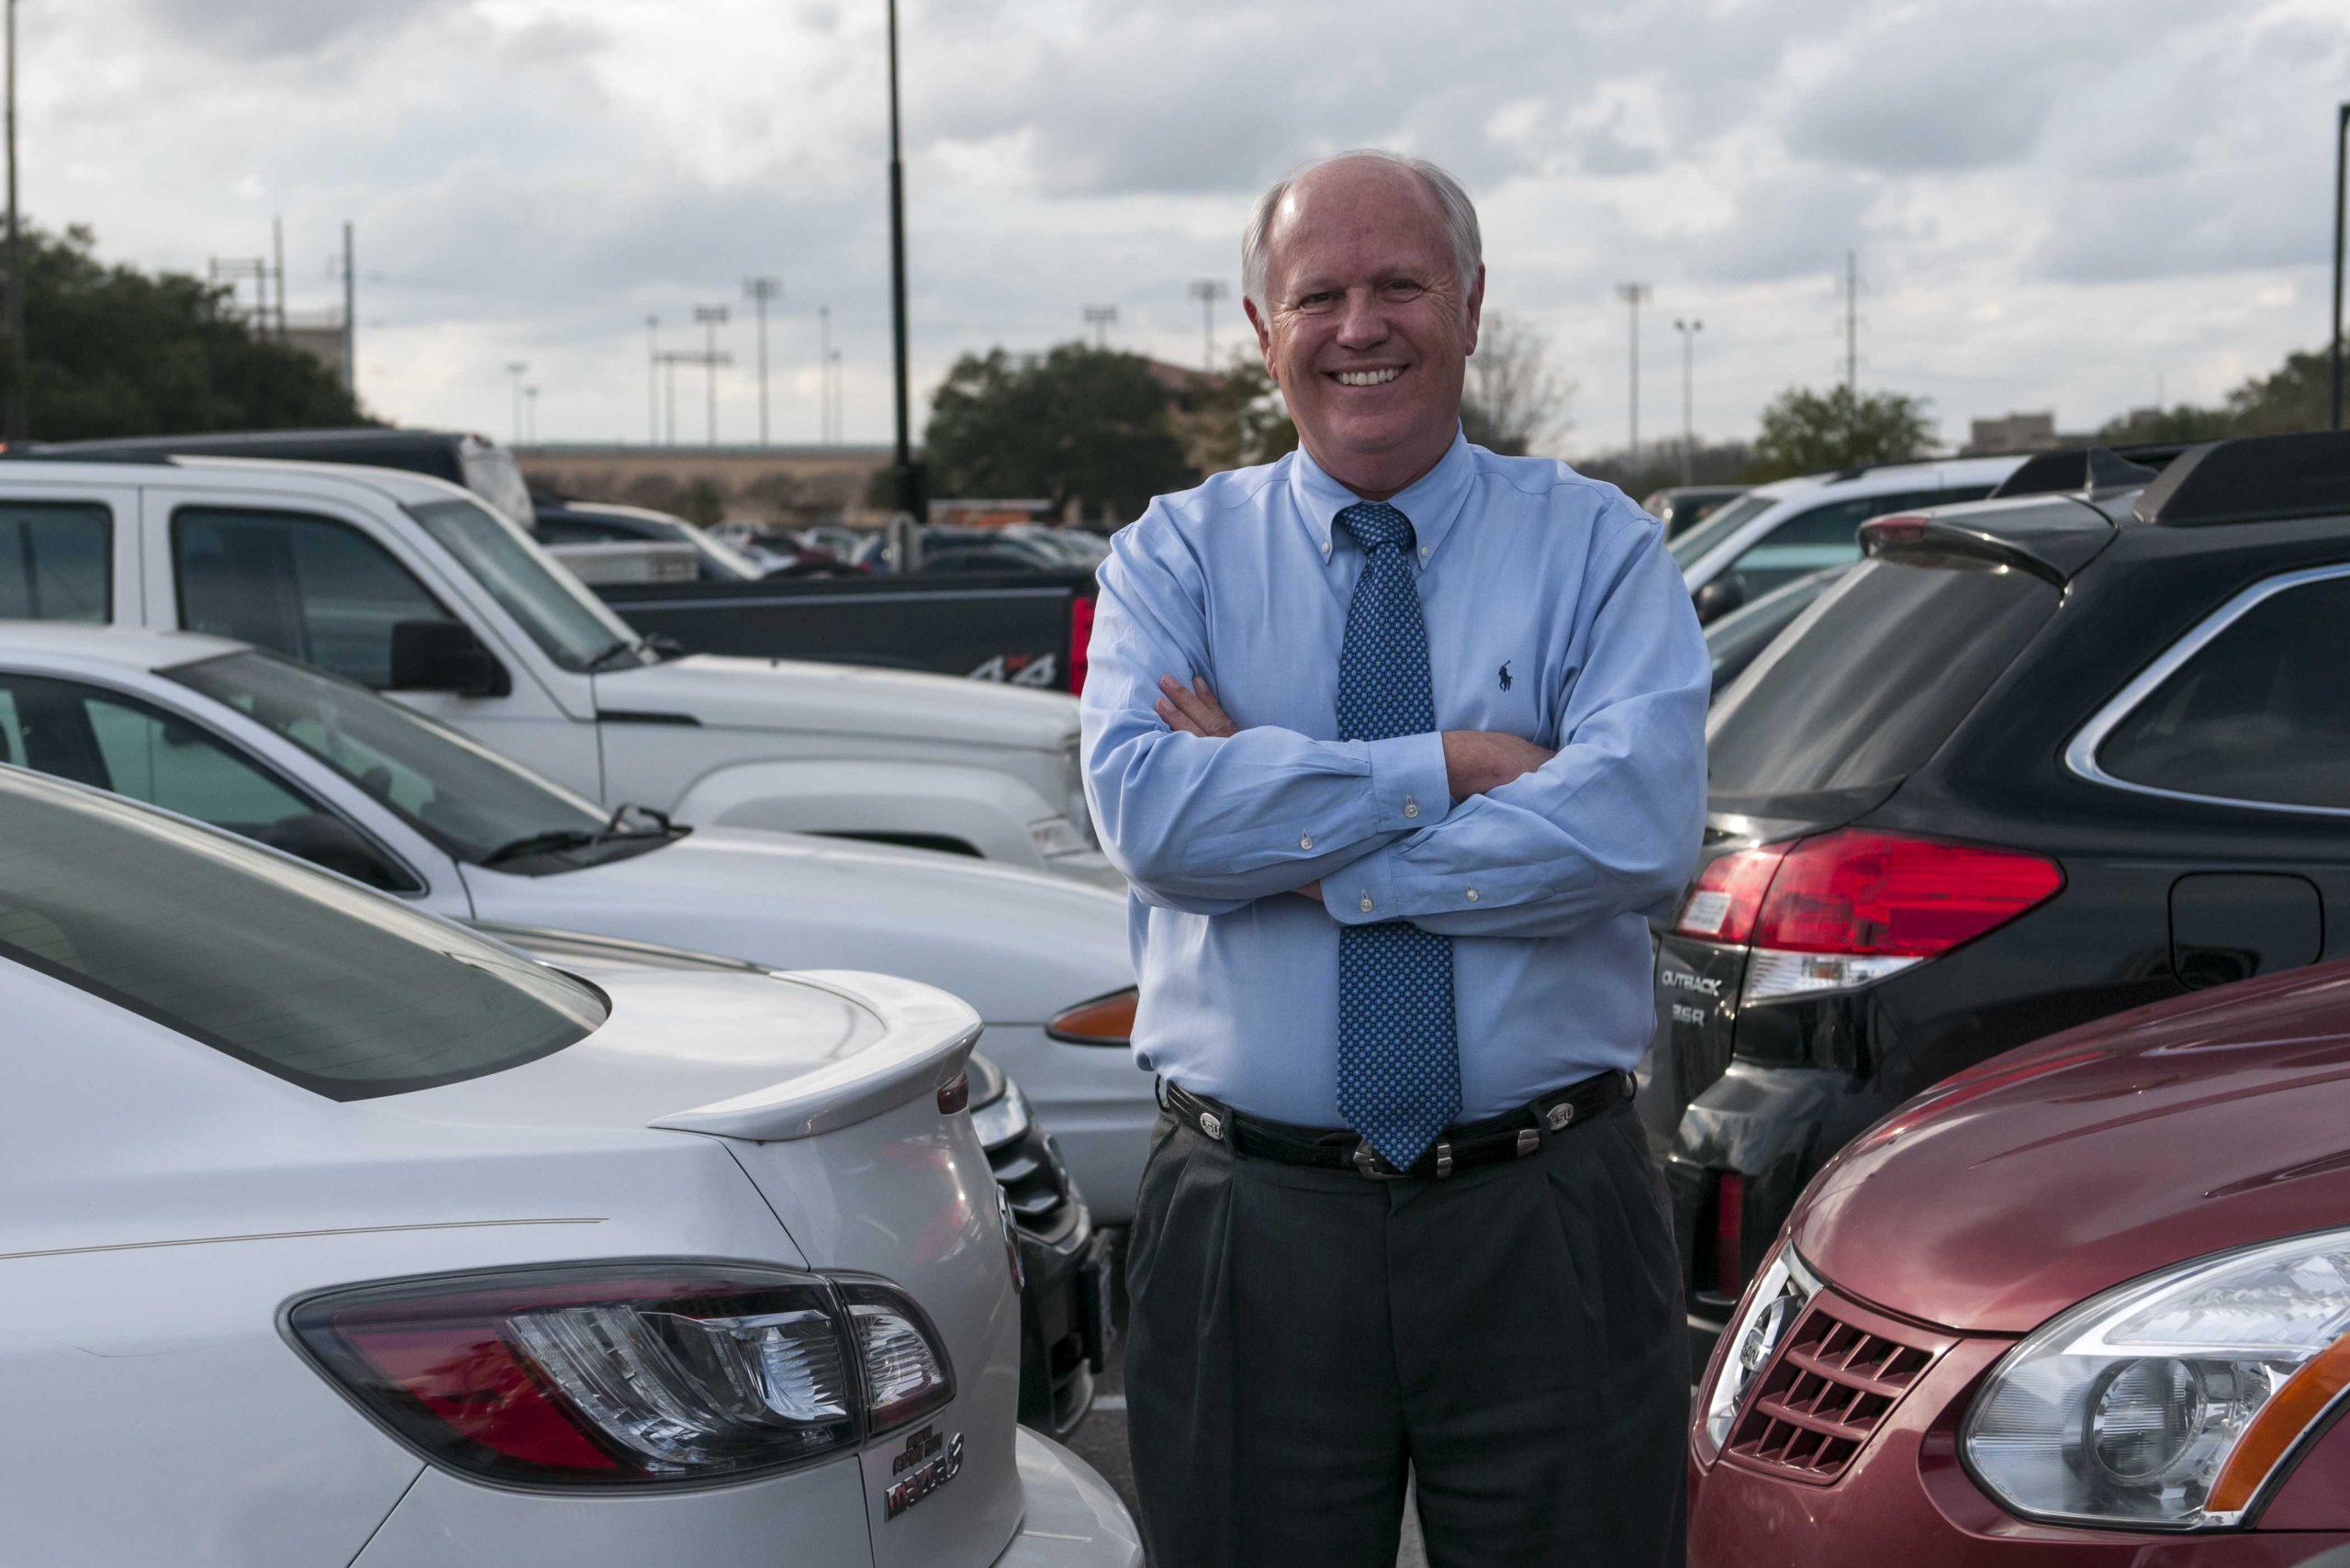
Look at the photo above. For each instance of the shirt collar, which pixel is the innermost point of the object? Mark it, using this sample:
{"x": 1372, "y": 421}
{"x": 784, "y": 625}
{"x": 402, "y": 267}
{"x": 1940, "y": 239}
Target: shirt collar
{"x": 1432, "y": 501}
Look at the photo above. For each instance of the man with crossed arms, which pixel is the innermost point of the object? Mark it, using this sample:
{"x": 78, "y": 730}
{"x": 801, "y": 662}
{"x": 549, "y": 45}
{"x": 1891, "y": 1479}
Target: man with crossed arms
{"x": 1397, "y": 741}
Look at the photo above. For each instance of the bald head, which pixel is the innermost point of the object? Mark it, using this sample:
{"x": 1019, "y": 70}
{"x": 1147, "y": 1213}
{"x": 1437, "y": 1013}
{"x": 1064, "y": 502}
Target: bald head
{"x": 1415, "y": 181}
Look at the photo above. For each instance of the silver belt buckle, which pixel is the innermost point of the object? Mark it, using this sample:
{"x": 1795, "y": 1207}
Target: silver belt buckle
{"x": 1367, "y": 1162}
{"x": 1212, "y": 1124}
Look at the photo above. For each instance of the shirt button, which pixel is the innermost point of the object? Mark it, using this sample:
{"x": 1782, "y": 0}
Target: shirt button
{"x": 1411, "y": 807}
{"x": 1472, "y": 895}
{"x": 1366, "y": 903}
{"x": 1305, "y": 841}
{"x": 1424, "y": 552}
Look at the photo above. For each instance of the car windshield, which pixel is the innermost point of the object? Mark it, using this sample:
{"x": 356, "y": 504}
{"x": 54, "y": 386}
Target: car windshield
{"x": 1687, "y": 549}
{"x": 492, "y": 473}
{"x": 568, "y": 622}
{"x": 469, "y": 800}
{"x": 345, "y": 993}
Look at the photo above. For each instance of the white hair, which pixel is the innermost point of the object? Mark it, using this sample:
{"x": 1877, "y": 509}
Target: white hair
{"x": 1458, "y": 214}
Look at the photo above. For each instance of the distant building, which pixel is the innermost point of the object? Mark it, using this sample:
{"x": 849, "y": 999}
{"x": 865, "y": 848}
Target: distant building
{"x": 2018, "y": 432}
{"x": 788, "y": 485}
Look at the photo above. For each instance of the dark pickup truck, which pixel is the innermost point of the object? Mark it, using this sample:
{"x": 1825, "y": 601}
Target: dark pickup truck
{"x": 1025, "y": 628}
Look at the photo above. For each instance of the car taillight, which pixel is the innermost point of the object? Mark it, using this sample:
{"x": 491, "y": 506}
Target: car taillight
{"x": 1726, "y": 897}
{"x": 628, "y": 1374}
{"x": 1856, "y": 905}
{"x": 1081, "y": 635}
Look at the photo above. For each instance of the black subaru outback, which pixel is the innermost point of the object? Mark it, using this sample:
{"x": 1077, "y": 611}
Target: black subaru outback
{"x": 2035, "y": 760}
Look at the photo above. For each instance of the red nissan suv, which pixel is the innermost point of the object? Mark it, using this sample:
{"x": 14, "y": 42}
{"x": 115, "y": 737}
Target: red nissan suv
{"x": 2087, "y": 1303}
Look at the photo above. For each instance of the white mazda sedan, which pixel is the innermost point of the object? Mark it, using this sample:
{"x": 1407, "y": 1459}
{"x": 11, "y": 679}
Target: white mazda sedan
{"x": 332, "y": 1232}
{"x": 323, "y": 768}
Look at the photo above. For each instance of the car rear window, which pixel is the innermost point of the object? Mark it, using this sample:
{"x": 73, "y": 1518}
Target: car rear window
{"x": 345, "y": 993}
{"x": 1863, "y": 687}
{"x": 54, "y": 561}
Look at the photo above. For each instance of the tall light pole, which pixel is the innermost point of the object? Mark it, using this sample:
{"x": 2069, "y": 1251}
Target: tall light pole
{"x": 833, "y": 362}
{"x": 1208, "y": 291}
{"x": 909, "y": 487}
{"x": 515, "y": 369}
{"x": 761, "y": 290}
{"x": 653, "y": 381}
{"x": 2341, "y": 174}
{"x": 825, "y": 374}
{"x": 531, "y": 414}
{"x": 1688, "y": 330}
{"x": 1633, "y": 295}
{"x": 349, "y": 315}
{"x": 1099, "y": 318}
{"x": 18, "y": 419}
{"x": 710, "y": 316}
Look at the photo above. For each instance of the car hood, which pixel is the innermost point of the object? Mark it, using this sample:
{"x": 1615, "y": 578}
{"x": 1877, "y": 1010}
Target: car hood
{"x": 1018, "y": 945}
{"x": 2021, "y": 1186}
{"x": 847, "y": 700}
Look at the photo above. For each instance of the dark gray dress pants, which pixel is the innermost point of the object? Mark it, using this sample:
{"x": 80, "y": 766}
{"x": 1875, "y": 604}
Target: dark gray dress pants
{"x": 1512, "y": 1335}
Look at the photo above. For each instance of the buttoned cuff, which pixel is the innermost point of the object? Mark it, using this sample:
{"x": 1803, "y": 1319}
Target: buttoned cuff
{"x": 1364, "y": 891}
{"x": 1409, "y": 782}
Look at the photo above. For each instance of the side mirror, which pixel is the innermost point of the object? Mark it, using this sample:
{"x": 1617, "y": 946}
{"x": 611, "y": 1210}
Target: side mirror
{"x": 444, "y": 656}
{"x": 1719, "y": 598}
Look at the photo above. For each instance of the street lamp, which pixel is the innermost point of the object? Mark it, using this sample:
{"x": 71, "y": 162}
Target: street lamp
{"x": 1633, "y": 295}
{"x": 710, "y": 316}
{"x": 1099, "y": 318}
{"x": 909, "y": 487}
{"x": 14, "y": 424}
{"x": 1688, "y": 330}
{"x": 530, "y": 413}
{"x": 2340, "y": 173}
{"x": 1208, "y": 291}
{"x": 515, "y": 369}
{"x": 761, "y": 290}
{"x": 651, "y": 380}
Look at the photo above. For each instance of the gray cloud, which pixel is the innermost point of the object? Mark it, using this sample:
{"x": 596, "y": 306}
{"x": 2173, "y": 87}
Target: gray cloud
{"x": 270, "y": 29}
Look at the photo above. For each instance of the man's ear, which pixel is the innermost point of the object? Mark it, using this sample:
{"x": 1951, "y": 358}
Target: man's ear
{"x": 1264, "y": 338}
{"x": 1476, "y": 307}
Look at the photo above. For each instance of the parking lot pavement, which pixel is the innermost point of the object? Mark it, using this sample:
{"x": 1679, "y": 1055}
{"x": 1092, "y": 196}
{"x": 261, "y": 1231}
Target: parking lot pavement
{"x": 1101, "y": 1441}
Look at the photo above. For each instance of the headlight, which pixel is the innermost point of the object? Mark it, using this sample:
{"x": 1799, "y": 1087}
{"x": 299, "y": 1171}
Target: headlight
{"x": 1104, "y": 1021}
{"x": 1001, "y": 1121}
{"x": 2168, "y": 1402}
{"x": 1784, "y": 1288}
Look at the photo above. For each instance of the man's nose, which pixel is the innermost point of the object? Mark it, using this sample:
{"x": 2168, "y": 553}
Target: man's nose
{"x": 1363, "y": 323}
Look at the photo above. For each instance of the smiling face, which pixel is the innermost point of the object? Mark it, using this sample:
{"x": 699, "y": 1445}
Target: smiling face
{"x": 1364, "y": 323}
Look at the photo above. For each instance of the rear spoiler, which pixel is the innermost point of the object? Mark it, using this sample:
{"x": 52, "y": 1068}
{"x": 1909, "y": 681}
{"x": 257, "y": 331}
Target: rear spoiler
{"x": 2256, "y": 478}
{"x": 926, "y": 1037}
{"x": 2050, "y": 537}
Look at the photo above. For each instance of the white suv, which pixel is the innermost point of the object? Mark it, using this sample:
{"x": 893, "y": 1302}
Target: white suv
{"x": 334, "y": 1232}
{"x": 1791, "y": 528}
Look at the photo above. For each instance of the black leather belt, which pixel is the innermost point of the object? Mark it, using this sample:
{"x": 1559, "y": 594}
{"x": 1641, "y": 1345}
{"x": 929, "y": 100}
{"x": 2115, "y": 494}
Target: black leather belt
{"x": 1513, "y": 1135}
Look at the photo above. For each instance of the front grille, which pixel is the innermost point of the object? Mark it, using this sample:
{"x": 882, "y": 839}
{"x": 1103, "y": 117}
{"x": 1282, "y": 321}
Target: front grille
{"x": 1830, "y": 1386}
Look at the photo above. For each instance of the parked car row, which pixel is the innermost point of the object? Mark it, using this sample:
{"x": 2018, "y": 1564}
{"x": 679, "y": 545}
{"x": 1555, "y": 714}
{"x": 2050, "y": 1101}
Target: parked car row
{"x": 2062, "y": 757}
{"x": 551, "y": 1307}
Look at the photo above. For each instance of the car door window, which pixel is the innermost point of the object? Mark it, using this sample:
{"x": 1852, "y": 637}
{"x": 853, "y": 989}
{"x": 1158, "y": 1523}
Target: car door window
{"x": 2261, "y": 712}
{"x": 308, "y": 586}
{"x": 55, "y": 561}
{"x": 1827, "y": 535}
{"x": 117, "y": 742}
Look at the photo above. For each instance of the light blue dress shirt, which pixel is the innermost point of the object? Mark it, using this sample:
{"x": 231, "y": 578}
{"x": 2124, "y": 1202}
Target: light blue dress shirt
{"x": 1553, "y": 612}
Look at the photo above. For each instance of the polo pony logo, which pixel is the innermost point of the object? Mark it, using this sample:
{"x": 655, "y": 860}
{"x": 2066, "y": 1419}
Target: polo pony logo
{"x": 1506, "y": 675}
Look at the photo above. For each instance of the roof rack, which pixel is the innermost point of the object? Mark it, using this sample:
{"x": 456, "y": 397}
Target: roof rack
{"x": 2258, "y": 479}
{"x": 2089, "y": 468}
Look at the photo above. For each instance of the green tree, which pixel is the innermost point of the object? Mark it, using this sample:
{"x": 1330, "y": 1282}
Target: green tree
{"x": 112, "y": 352}
{"x": 1804, "y": 432}
{"x": 1241, "y": 422}
{"x": 2296, "y": 395}
{"x": 1077, "y": 423}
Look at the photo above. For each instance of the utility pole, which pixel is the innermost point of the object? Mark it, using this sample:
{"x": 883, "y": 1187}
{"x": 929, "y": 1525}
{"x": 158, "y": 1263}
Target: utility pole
{"x": 277, "y": 252}
{"x": 651, "y": 380}
{"x": 710, "y": 316}
{"x": 515, "y": 369}
{"x": 1688, "y": 330}
{"x": 350, "y": 316}
{"x": 531, "y": 414}
{"x": 824, "y": 374}
{"x": 1208, "y": 291}
{"x": 1853, "y": 327}
{"x": 232, "y": 270}
{"x": 2340, "y": 173}
{"x": 761, "y": 290}
{"x": 909, "y": 501}
{"x": 18, "y": 419}
{"x": 669, "y": 394}
{"x": 676, "y": 357}
{"x": 1634, "y": 295}
{"x": 1099, "y": 318}
{"x": 833, "y": 362}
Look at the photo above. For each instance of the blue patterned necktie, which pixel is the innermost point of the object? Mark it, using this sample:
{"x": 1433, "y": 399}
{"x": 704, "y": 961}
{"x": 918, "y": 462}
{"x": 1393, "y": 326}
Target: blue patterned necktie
{"x": 1399, "y": 1059}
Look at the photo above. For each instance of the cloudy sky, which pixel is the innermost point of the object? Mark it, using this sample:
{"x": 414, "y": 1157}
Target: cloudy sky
{"x": 2057, "y": 204}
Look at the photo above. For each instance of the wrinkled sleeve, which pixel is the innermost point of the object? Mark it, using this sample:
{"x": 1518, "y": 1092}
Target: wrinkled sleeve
{"x": 1612, "y": 823}
{"x": 1206, "y": 824}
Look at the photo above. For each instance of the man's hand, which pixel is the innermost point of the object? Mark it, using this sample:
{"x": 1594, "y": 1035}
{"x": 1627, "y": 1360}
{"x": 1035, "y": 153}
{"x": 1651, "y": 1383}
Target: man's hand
{"x": 1193, "y": 710}
{"x": 1478, "y": 760}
